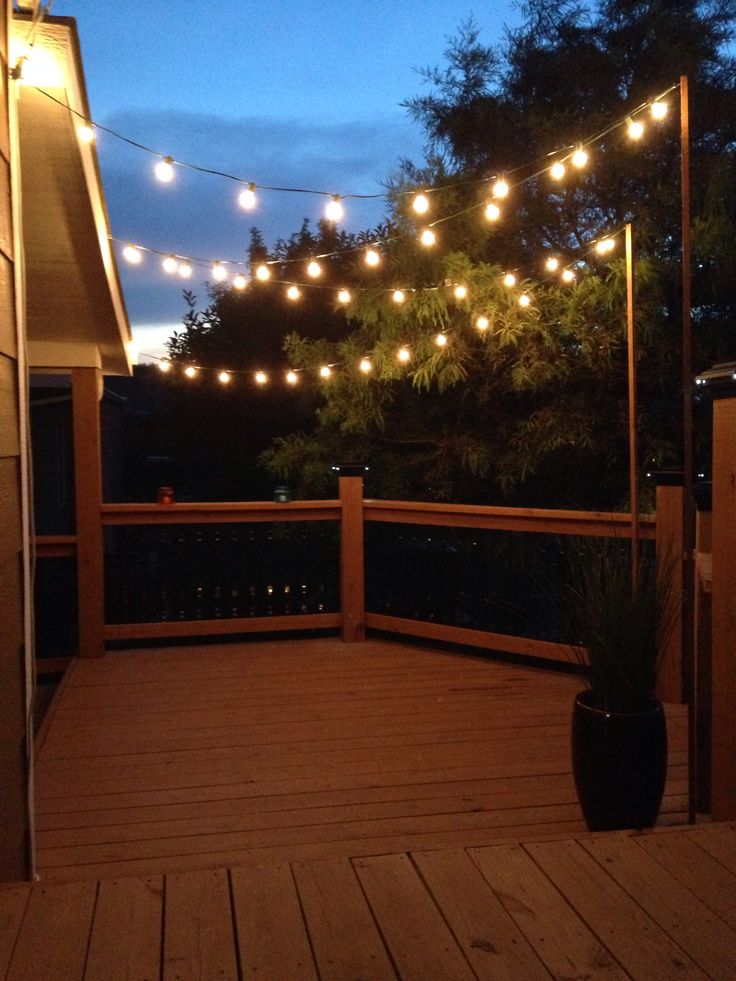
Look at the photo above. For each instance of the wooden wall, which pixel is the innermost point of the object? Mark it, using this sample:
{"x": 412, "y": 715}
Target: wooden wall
{"x": 14, "y": 825}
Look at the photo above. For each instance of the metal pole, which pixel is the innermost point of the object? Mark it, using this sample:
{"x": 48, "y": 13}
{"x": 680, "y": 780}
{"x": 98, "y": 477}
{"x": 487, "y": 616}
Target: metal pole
{"x": 688, "y": 515}
{"x": 633, "y": 454}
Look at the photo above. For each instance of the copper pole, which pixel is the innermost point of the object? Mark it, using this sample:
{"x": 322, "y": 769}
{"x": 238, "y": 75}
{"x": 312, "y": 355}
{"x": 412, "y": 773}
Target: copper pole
{"x": 633, "y": 464}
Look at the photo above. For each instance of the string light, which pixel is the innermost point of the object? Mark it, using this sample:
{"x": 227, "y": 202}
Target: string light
{"x": 293, "y": 293}
{"x": 552, "y": 264}
{"x": 164, "y": 366}
{"x": 460, "y": 292}
{"x": 482, "y": 323}
{"x": 398, "y": 296}
{"x": 240, "y": 282}
{"x": 658, "y": 110}
{"x": 224, "y": 377}
{"x": 291, "y": 378}
{"x": 260, "y": 378}
{"x": 219, "y": 272}
{"x": 325, "y": 371}
{"x": 441, "y": 340}
{"x": 428, "y": 237}
{"x": 334, "y": 210}
{"x": 185, "y": 270}
{"x": 169, "y": 264}
{"x": 133, "y": 255}
{"x": 509, "y": 280}
{"x": 605, "y": 245}
{"x": 190, "y": 371}
{"x": 164, "y": 170}
{"x": 493, "y": 212}
{"x": 247, "y": 198}
{"x": 86, "y": 133}
{"x": 568, "y": 276}
{"x": 557, "y": 171}
{"x": 524, "y": 300}
{"x": 314, "y": 269}
{"x": 372, "y": 258}
{"x": 263, "y": 273}
{"x": 579, "y": 159}
{"x": 500, "y": 188}
{"x": 344, "y": 296}
{"x": 403, "y": 354}
{"x": 365, "y": 366}
{"x": 420, "y": 204}
{"x": 635, "y": 129}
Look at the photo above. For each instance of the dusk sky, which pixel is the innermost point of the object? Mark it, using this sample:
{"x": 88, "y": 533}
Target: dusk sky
{"x": 290, "y": 93}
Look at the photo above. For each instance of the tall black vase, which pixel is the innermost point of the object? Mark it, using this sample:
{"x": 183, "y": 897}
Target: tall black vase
{"x": 619, "y": 762}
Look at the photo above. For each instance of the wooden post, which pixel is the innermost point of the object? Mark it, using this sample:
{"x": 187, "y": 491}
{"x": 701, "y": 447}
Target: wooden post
{"x": 703, "y": 646}
{"x": 633, "y": 453}
{"x": 352, "y": 557}
{"x": 88, "y": 496}
{"x": 723, "y": 664}
{"x": 670, "y": 686}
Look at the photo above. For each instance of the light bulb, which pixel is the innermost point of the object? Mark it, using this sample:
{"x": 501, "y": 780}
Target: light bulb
{"x": 263, "y": 273}
{"x": 325, "y": 371}
{"x": 247, "y": 198}
{"x": 260, "y": 378}
{"x": 420, "y": 204}
{"x": 509, "y": 279}
{"x": 552, "y": 264}
{"x": 190, "y": 371}
{"x": 344, "y": 296}
{"x": 500, "y": 189}
{"x": 291, "y": 378}
{"x": 557, "y": 170}
{"x": 398, "y": 296}
{"x": 164, "y": 170}
{"x": 579, "y": 159}
{"x": 493, "y": 212}
{"x": 314, "y": 269}
{"x": 133, "y": 255}
{"x": 224, "y": 377}
{"x": 403, "y": 354}
{"x": 604, "y": 246}
{"x": 86, "y": 133}
{"x": 164, "y": 366}
{"x": 441, "y": 340}
{"x": 185, "y": 270}
{"x": 169, "y": 264}
{"x": 219, "y": 272}
{"x": 482, "y": 323}
{"x": 658, "y": 110}
{"x": 365, "y": 366}
{"x": 428, "y": 237}
{"x": 568, "y": 276}
{"x": 240, "y": 282}
{"x": 293, "y": 293}
{"x": 524, "y": 300}
{"x": 635, "y": 129}
{"x": 372, "y": 258}
{"x": 460, "y": 292}
{"x": 334, "y": 210}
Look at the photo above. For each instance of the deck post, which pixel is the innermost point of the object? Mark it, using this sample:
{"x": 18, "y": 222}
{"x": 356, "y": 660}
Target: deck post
{"x": 86, "y": 387}
{"x": 669, "y": 544}
{"x": 352, "y": 552}
{"x": 723, "y": 742}
{"x": 703, "y": 642}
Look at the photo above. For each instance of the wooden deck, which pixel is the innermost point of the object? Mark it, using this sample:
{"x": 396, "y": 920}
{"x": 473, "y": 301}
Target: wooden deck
{"x": 650, "y": 907}
{"x": 209, "y": 757}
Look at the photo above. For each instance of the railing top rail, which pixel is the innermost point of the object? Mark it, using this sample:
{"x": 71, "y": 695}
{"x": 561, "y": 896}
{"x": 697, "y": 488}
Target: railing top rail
{"x": 219, "y": 512}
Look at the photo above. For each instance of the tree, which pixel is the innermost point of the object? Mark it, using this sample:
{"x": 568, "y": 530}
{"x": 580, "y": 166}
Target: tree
{"x": 534, "y": 407}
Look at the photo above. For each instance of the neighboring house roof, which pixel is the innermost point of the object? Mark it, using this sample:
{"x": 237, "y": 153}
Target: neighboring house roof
{"x": 75, "y": 311}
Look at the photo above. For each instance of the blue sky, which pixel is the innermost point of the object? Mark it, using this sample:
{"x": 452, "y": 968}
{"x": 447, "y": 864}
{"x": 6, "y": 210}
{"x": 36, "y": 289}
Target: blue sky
{"x": 292, "y": 93}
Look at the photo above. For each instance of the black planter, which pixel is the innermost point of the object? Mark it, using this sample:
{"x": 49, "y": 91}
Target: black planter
{"x": 619, "y": 761}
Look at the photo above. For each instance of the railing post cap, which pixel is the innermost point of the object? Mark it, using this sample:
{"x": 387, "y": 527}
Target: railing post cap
{"x": 667, "y": 477}
{"x": 350, "y": 469}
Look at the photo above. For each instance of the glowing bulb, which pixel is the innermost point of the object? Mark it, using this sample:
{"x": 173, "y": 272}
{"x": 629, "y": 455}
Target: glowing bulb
{"x": 604, "y": 246}
{"x": 635, "y": 129}
{"x": 164, "y": 170}
{"x": 263, "y": 273}
{"x": 190, "y": 371}
{"x": 164, "y": 366}
{"x": 224, "y": 377}
{"x": 403, "y": 354}
{"x": 365, "y": 366}
{"x": 133, "y": 255}
{"x": 579, "y": 159}
{"x": 509, "y": 279}
{"x": 185, "y": 270}
{"x": 658, "y": 110}
{"x": 344, "y": 296}
{"x": 500, "y": 189}
{"x": 372, "y": 258}
{"x": 398, "y": 296}
{"x": 219, "y": 272}
{"x": 293, "y": 293}
{"x": 441, "y": 340}
{"x": 86, "y": 133}
{"x": 261, "y": 378}
{"x": 524, "y": 300}
{"x": 482, "y": 323}
{"x": 240, "y": 282}
{"x": 557, "y": 170}
{"x": 325, "y": 371}
{"x": 169, "y": 264}
{"x": 552, "y": 264}
{"x": 460, "y": 292}
{"x": 420, "y": 204}
{"x": 568, "y": 276}
{"x": 291, "y": 378}
{"x": 428, "y": 237}
{"x": 334, "y": 210}
{"x": 314, "y": 269}
{"x": 493, "y": 212}
{"x": 247, "y": 198}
